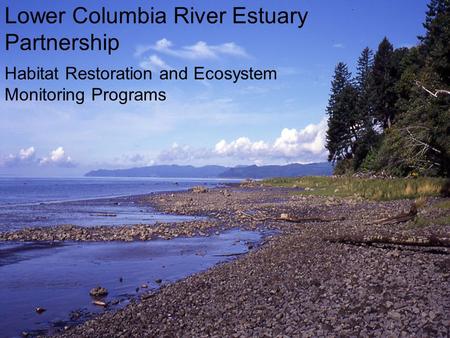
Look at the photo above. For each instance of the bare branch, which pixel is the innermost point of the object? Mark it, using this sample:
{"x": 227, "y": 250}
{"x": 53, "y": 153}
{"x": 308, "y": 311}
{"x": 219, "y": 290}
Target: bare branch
{"x": 425, "y": 145}
{"x": 434, "y": 94}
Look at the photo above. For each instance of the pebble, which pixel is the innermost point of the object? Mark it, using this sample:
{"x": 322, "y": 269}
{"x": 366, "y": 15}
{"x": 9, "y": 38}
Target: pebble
{"x": 98, "y": 292}
{"x": 40, "y": 310}
{"x": 296, "y": 284}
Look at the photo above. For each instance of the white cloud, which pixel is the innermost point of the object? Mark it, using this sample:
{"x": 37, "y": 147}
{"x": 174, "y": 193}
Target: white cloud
{"x": 154, "y": 62}
{"x": 242, "y": 148}
{"x": 304, "y": 145}
{"x": 27, "y": 158}
{"x": 294, "y": 143}
{"x": 162, "y": 44}
{"x": 24, "y": 156}
{"x": 339, "y": 45}
{"x": 27, "y": 154}
{"x": 57, "y": 157}
{"x": 199, "y": 50}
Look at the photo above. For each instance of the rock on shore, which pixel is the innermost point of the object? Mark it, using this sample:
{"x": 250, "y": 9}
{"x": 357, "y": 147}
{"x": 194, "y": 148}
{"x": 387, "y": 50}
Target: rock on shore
{"x": 296, "y": 285}
{"x": 299, "y": 283}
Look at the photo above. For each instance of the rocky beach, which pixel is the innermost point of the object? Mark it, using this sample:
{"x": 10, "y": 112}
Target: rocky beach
{"x": 323, "y": 274}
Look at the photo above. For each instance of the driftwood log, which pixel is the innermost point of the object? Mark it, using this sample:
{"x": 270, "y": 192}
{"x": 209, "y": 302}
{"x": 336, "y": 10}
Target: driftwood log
{"x": 400, "y": 218}
{"x": 99, "y": 303}
{"x": 419, "y": 241}
{"x": 287, "y": 218}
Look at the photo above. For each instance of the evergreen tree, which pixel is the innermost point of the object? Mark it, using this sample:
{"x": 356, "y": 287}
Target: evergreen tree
{"x": 427, "y": 118}
{"x": 410, "y": 63}
{"x": 342, "y": 115}
{"x": 420, "y": 139}
{"x": 435, "y": 43}
{"x": 364, "y": 69}
{"x": 383, "y": 96}
{"x": 367, "y": 136}
{"x": 363, "y": 84}
{"x": 403, "y": 91}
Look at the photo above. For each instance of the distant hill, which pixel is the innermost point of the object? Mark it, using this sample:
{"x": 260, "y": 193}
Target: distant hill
{"x": 213, "y": 171}
{"x": 290, "y": 170}
{"x": 210, "y": 171}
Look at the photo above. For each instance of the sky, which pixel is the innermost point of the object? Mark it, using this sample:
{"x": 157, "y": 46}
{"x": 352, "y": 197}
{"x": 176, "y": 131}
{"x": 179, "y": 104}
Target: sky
{"x": 201, "y": 122}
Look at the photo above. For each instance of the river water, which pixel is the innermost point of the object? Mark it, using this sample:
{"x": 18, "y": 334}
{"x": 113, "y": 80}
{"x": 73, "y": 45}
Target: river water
{"x": 32, "y": 202}
{"x": 58, "y": 276}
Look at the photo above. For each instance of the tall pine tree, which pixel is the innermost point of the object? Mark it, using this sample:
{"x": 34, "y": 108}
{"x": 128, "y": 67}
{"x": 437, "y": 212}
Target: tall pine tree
{"x": 395, "y": 116}
{"x": 341, "y": 116}
{"x": 419, "y": 141}
{"x": 365, "y": 124}
{"x": 383, "y": 96}
{"x": 427, "y": 119}
{"x": 436, "y": 42}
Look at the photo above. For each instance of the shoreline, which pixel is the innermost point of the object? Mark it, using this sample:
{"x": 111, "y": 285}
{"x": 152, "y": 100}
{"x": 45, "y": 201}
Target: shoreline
{"x": 74, "y": 209}
{"x": 129, "y": 271}
{"x": 297, "y": 283}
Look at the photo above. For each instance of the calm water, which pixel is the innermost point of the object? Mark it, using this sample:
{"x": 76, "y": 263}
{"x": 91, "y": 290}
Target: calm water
{"x": 26, "y": 202}
{"x": 58, "y": 276}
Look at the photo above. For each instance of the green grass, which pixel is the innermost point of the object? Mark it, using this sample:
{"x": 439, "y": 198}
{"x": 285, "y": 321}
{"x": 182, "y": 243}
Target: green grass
{"x": 373, "y": 189}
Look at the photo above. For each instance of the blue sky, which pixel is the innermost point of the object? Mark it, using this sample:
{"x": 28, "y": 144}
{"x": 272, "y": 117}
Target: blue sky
{"x": 258, "y": 122}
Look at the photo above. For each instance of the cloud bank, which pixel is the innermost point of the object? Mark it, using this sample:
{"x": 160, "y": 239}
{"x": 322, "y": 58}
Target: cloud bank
{"x": 26, "y": 157}
{"x": 304, "y": 145}
{"x": 201, "y": 50}
{"x": 198, "y": 51}
{"x": 57, "y": 157}
{"x": 293, "y": 145}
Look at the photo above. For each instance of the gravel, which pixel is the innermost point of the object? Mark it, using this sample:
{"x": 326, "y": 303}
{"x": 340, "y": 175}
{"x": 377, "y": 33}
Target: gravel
{"x": 297, "y": 284}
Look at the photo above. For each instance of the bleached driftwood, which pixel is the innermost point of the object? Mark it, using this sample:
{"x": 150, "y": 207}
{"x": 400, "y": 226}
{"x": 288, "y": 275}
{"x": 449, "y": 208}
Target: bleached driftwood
{"x": 286, "y": 218}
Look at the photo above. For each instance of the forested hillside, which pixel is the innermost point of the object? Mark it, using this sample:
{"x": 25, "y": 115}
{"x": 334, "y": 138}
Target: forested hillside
{"x": 393, "y": 116}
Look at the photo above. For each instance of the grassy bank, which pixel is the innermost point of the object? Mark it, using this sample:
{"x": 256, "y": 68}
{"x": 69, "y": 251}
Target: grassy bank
{"x": 374, "y": 189}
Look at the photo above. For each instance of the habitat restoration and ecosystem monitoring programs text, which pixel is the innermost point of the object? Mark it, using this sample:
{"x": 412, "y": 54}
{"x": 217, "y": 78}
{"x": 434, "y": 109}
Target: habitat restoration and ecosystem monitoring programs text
{"x": 72, "y": 73}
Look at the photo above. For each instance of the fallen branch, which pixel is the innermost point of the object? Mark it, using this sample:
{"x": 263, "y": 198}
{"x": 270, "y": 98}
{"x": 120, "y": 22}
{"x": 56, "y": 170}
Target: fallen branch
{"x": 231, "y": 254}
{"x": 287, "y": 218}
{"x": 422, "y": 241}
{"x": 401, "y": 218}
{"x": 253, "y": 217}
{"x": 99, "y": 303}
